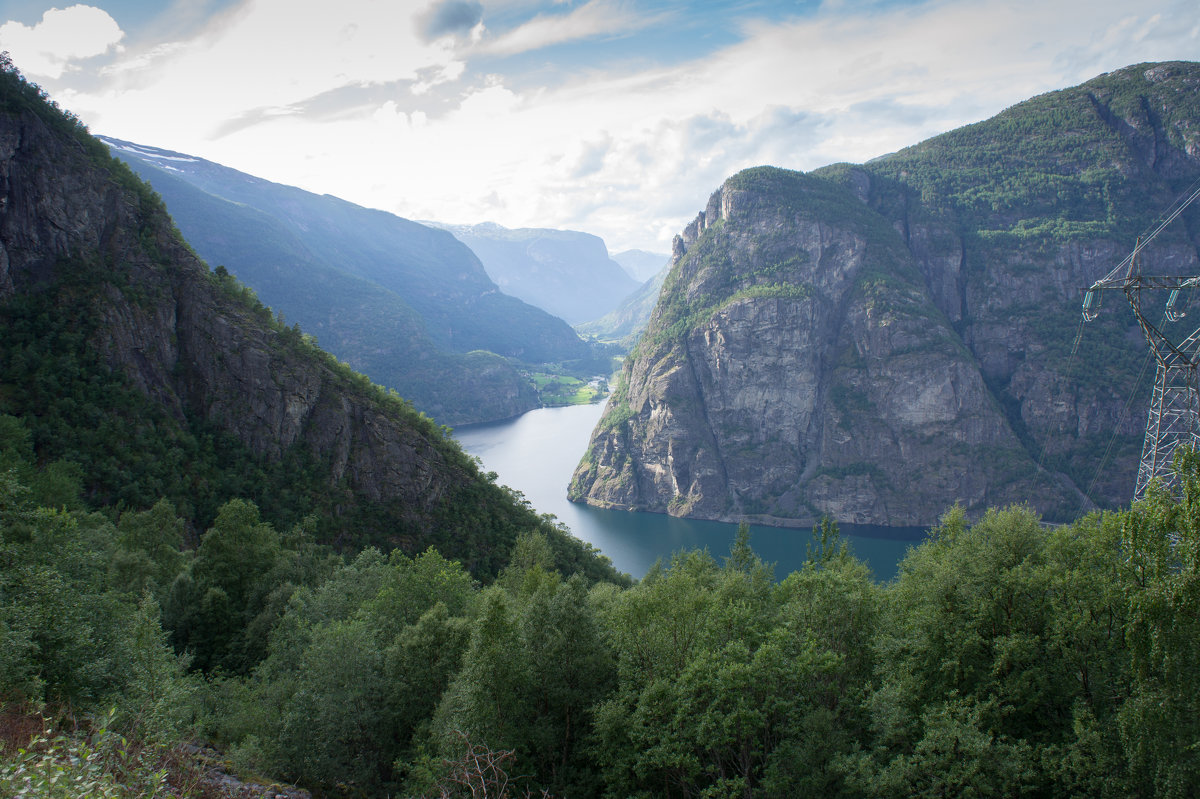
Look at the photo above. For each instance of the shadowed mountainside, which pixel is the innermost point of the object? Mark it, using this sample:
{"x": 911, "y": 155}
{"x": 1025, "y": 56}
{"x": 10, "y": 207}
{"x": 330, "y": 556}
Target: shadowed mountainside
{"x": 152, "y": 377}
{"x": 404, "y": 303}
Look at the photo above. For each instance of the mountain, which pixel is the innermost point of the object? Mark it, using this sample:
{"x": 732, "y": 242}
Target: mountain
{"x": 629, "y": 319}
{"x": 640, "y": 264}
{"x": 878, "y": 342}
{"x": 564, "y": 272}
{"x": 148, "y": 376}
{"x": 406, "y": 304}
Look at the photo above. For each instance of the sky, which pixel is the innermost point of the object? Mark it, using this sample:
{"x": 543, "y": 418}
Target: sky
{"x": 615, "y": 117}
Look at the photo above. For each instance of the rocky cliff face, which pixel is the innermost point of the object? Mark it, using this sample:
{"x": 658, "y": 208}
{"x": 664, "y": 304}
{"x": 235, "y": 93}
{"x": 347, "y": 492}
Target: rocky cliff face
{"x": 192, "y": 340}
{"x": 877, "y": 343}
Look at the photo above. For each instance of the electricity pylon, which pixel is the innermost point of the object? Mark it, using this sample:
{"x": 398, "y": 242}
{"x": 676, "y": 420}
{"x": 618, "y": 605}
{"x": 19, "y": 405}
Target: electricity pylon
{"x": 1174, "y": 417}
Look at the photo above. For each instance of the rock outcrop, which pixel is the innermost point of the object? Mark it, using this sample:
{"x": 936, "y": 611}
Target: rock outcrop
{"x": 876, "y": 343}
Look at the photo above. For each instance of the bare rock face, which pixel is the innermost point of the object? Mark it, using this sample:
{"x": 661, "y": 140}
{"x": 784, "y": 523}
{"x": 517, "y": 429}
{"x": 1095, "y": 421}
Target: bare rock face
{"x": 878, "y": 343}
{"x": 821, "y": 380}
{"x": 185, "y": 337}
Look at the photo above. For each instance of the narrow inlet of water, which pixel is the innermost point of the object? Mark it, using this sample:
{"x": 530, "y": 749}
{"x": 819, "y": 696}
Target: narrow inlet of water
{"x": 537, "y": 452}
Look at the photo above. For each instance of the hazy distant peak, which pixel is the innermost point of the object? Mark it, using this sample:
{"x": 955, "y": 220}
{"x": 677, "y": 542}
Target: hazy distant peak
{"x": 640, "y": 264}
{"x": 566, "y": 272}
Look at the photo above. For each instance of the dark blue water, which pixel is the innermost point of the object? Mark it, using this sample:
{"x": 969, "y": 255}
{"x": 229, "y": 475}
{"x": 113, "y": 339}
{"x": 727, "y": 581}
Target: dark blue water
{"x": 537, "y": 452}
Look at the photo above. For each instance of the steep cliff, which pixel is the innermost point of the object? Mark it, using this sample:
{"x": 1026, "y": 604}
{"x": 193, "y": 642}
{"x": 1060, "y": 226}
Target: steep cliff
{"x": 126, "y": 355}
{"x": 878, "y": 342}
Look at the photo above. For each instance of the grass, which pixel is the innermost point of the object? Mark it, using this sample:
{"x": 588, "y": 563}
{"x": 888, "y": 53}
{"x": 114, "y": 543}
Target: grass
{"x": 557, "y": 390}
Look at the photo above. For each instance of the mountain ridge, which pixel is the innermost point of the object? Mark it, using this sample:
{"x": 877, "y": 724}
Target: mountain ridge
{"x": 156, "y": 377}
{"x": 403, "y": 302}
{"x": 565, "y": 272}
{"x": 981, "y": 239}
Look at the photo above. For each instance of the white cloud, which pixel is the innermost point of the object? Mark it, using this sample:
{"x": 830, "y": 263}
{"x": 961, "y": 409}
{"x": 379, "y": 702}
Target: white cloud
{"x": 843, "y": 88}
{"x": 142, "y": 61}
{"x": 594, "y": 18}
{"x": 63, "y": 36}
{"x": 263, "y": 59}
{"x": 629, "y": 155}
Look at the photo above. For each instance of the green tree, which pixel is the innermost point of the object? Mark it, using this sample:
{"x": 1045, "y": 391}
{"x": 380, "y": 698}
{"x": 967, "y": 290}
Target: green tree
{"x": 356, "y": 666}
{"x": 1005, "y": 639}
{"x": 535, "y": 667}
{"x": 335, "y": 731}
{"x": 733, "y": 685}
{"x": 226, "y": 587}
{"x": 1160, "y": 722}
{"x": 156, "y": 698}
{"x": 149, "y": 550}
{"x": 59, "y": 623}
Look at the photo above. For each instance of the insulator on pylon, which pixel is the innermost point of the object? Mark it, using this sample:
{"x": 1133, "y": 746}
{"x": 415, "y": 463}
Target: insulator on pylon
{"x": 1091, "y": 305}
{"x": 1172, "y": 313}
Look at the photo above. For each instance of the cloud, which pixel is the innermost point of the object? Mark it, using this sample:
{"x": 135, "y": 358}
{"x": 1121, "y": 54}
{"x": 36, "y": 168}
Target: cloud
{"x": 449, "y": 16}
{"x": 357, "y": 100}
{"x": 63, "y": 36}
{"x": 143, "y": 60}
{"x": 829, "y": 87}
{"x": 259, "y": 61}
{"x": 667, "y": 170}
{"x": 594, "y": 18}
{"x": 587, "y": 158}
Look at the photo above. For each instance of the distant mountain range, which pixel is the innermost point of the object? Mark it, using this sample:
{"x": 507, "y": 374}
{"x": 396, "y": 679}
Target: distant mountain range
{"x": 406, "y": 304}
{"x": 627, "y": 321}
{"x": 642, "y": 265}
{"x": 564, "y": 272}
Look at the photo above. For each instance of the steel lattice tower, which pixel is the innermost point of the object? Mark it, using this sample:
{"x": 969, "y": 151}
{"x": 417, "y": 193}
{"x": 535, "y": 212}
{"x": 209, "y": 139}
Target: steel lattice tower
{"x": 1174, "y": 417}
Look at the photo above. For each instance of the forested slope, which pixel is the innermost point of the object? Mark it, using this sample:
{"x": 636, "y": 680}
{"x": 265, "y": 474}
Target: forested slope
{"x": 124, "y": 355}
{"x": 1006, "y": 659}
{"x": 404, "y": 303}
{"x": 369, "y": 327}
